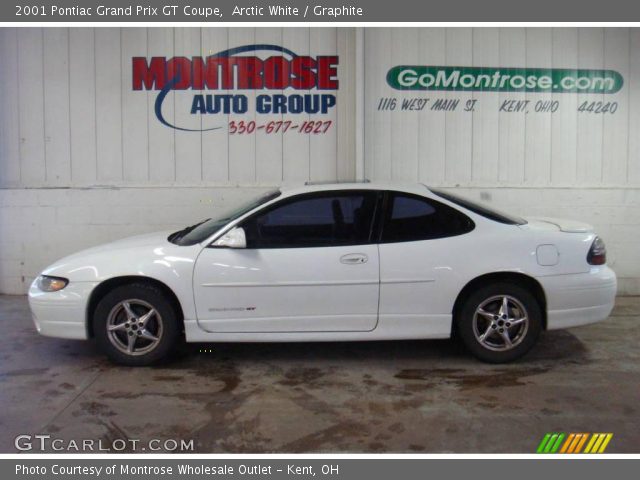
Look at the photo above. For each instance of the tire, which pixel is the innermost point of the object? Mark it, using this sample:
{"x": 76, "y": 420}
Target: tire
{"x": 490, "y": 335}
{"x": 145, "y": 341}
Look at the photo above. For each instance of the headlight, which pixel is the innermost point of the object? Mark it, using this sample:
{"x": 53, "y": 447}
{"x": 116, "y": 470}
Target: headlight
{"x": 51, "y": 284}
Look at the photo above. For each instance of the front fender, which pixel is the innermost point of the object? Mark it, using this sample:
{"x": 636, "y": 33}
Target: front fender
{"x": 168, "y": 264}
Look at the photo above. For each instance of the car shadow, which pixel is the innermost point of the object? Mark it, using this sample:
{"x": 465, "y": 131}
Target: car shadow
{"x": 553, "y": 348}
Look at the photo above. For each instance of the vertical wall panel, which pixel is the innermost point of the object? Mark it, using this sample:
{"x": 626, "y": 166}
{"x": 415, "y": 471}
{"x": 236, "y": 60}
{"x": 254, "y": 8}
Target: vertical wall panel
{"x": 56, "y": 106}
{"x": 188, "y": 144}
{"x": 242, "y": 147}
{"x": 82, "y": 106}
{"x": 616, "y": 126}
{"x": 377, "y": 135}
{"x": 345, "y": 127}
{"x": 33, "y": 164}
{"x": 538, "y": 130}
{"x": 215, "y": 143}
{"x": 268, "y": 146}
{"x": 162, "y": 149}
{"x": 322, "y": 146}
{"x": 589, "y": 125}
{"x": 9, "y": 94}
{"x": 432, "y": 128}
{"x": 403, "y": 125}
{"x": 484, "y": 167}
{"x": 108, "y": 105}
{"x": 135, "y": 135}
{"x": 633, "y": 86}
{"x": 295, "y": 155}
{"x": 563, "y": 122}
{"x": 458, "y": 51}
{"x": 512, "y": 125}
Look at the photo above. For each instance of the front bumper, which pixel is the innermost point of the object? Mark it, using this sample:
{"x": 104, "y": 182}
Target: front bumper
{"x": 579, "y": 299}
{"x": 61, "y": 314}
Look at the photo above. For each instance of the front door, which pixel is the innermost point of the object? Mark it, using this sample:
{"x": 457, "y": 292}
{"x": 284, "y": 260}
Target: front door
{"x": 309, "y": 266}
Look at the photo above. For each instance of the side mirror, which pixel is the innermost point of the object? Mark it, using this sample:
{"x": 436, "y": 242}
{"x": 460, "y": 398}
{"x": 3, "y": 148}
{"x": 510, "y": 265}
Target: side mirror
{"x": 234, "y": 238}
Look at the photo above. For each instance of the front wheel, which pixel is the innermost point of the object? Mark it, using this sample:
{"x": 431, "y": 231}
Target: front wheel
{"x": 500, "y": 322}
{"x": 135, "y": 325}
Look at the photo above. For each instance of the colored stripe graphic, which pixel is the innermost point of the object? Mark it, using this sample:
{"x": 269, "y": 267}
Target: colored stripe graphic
{"x": 543, "y": 443}
{"x": 574, "y": 443}
{"x": 605, "y": 443}
{"x": 568, "y": 442}
{"x": 557, "y": 442}
{"x": 550, "y": 443}
{"x": 581, "y": 443}
{"x": 556, "y": 445}
{"x": 598, "y": 443}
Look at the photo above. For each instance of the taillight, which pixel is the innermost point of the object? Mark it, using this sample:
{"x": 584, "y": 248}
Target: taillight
{"x": 597, "y": 253}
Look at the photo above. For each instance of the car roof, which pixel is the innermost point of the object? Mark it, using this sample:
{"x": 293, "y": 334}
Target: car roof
{"x": 416, "y": 188}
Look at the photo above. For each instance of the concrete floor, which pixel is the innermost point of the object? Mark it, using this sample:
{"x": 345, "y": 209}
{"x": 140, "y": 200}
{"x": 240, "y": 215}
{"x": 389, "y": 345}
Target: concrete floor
{"x": 418, "y": 396}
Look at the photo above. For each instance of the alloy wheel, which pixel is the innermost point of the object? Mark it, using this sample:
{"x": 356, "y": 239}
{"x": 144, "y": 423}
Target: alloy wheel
{"x": 134, "y": 327}
{"x": 500, "y": 323}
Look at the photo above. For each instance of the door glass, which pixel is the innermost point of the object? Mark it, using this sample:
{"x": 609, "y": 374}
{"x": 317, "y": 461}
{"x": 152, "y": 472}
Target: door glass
{"x": 314, "y": 220}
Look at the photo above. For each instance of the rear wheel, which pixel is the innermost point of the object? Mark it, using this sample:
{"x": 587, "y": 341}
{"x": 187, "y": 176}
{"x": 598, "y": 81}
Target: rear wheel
{"x": 500, "y": 322}
{"x": 136, "y": 325}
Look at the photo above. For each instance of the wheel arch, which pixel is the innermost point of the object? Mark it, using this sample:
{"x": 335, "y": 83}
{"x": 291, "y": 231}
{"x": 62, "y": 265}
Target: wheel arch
{"x": 107, "y": 285}
{"x": 519, "y": 278}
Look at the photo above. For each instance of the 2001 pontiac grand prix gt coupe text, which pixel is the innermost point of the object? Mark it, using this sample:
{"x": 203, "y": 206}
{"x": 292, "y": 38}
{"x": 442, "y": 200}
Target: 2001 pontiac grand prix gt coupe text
{"x": 333, "y": 263}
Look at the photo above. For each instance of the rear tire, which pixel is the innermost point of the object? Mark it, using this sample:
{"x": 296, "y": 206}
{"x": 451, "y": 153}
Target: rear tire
{"x": 136, "y": 325}
{"x": 500, "y": 322}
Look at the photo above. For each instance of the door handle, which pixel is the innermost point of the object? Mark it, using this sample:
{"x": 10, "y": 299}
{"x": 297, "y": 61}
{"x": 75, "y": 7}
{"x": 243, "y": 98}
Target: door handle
{"x": 354, "y": 258}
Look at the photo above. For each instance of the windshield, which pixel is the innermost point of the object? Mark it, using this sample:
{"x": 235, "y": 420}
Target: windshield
{"x": 480, "y": 209}
{"x": 201, "y": 231}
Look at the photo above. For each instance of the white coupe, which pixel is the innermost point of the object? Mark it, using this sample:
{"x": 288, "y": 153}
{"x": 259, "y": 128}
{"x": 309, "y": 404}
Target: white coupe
{"x": 334, "y": 262}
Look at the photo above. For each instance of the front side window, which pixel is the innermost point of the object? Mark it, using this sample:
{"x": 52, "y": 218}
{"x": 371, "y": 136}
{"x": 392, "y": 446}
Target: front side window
{"x": 203, "y": 230}
{"x": 314, "y": 220}
{"x": 411, "y": 218}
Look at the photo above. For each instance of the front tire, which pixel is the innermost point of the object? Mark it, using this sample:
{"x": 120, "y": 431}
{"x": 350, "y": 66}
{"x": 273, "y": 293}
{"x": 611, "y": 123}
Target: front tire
{"x": 136, "y": 325}
{"x": 500, "y": 322}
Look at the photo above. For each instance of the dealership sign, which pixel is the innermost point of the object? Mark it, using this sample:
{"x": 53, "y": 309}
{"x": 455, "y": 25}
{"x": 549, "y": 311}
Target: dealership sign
{"x": 490, "y": 79}
{"x": 228, "y": 73}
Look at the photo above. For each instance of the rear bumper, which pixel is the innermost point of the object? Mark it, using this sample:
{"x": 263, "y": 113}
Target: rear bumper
{"x": 579, "y": 299}
{"x": 61, "y": 314}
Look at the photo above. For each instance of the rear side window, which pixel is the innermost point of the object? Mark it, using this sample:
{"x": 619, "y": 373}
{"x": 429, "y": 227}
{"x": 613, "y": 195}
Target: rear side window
{"x": 480, "y": 209}
{"x": 314, "y": 220}
{"x": 411, "y": 218}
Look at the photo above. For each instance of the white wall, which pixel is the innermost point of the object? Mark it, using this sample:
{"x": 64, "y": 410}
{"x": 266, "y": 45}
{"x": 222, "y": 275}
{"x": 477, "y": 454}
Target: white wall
{"x": 83, "y": 159}
{"x": 70, "y": 117}
{"x": 488, "y": 148}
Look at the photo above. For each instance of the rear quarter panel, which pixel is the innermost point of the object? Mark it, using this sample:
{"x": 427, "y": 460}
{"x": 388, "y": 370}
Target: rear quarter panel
{"x": 491, "y": 247}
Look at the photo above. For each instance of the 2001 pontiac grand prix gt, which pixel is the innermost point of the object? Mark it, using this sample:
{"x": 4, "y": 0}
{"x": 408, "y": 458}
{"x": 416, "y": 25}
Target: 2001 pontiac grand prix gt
{"x": 333, "y": 263}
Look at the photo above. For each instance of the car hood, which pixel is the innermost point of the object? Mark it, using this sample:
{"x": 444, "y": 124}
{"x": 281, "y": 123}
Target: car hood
{"x": 558, "y": 224}
{"x": 129, "y": 256}
{"x": 146, "y": 240}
